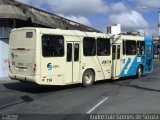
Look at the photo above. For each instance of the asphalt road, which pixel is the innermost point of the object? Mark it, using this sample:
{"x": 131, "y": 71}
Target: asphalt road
{"x": 129, "y": 95}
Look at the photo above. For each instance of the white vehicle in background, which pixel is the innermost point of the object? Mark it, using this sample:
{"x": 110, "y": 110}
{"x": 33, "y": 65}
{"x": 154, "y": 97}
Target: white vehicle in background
{"x": 62, "y": 57}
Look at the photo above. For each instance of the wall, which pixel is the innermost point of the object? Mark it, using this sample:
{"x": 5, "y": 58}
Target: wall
{"x": 4, "y": 58}
{"x": 4, "y": 44}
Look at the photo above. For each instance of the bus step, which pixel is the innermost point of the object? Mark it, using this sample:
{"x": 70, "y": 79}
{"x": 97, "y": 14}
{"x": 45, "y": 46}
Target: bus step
{"x": 115, "y": 78}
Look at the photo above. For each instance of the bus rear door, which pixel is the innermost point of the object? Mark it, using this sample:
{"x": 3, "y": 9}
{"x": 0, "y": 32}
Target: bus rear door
{"x": 116, "y": 64}
{"x": 73, "y": 62}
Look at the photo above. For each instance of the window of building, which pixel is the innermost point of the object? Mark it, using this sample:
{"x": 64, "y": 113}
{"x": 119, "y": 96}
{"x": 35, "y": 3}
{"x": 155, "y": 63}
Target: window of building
{"x": 4, "y": 32}
{"x": 89, "y": 46}
{"x": 103, "y": 47}
{"x": 52, "y": 46}
{"x": 140, "y": 47}
{"x": 130, "y": 47}
{"x": 1, "y": 32}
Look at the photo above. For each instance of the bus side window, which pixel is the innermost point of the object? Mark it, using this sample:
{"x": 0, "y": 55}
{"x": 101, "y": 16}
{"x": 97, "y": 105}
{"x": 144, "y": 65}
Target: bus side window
{"x": 48, "y": 51}
{"x": 103, "y": 47}
{"x": 52, "y": 46}
{"x": 89, "y": 46}
{"x": 130, "y": 47}
{"x": 140, "y": 47}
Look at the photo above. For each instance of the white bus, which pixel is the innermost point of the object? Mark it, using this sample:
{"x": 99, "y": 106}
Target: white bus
{"x": 62, "y": 57}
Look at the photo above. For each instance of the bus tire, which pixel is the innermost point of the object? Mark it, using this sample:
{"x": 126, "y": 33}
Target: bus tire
{"x": 88, "y": 78}
{"x": 139, "y": 71}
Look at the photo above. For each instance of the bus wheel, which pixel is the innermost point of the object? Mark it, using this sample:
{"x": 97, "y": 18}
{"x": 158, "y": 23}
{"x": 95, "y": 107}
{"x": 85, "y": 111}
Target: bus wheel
{"x": 88, "y": 78}
{"x": 139, "y": 72}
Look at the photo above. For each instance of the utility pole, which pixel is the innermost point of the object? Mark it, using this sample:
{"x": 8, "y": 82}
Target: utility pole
{"x": 159, "y": 31}
{"x": 159, "y": 22}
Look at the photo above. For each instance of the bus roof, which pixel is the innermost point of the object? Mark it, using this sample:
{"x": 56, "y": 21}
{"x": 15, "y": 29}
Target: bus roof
{"x": 148, "y": 40}
{"x": 129, "y": 37}
{"x": 64, "y": 32}
{"x": 81, "y": 33}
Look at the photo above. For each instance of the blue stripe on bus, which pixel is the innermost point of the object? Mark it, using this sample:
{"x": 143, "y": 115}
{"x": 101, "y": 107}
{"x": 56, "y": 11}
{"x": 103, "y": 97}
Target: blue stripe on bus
{"x": 125, "y": 67}
{"x": 133, "y": 68}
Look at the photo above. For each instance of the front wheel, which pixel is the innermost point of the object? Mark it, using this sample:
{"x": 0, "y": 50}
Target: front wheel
{"x": 139, "y": 72}
{"x": 88, "y": 78}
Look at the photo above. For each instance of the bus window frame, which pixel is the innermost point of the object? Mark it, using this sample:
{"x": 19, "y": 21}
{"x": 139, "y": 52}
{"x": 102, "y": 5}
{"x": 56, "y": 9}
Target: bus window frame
{"x": 63, "y": 38}
{"x": 143, "y": 48}
{"x": 94, "y": 46}
{"x": 109, "y": 49}
{"x": 127, "y": 47}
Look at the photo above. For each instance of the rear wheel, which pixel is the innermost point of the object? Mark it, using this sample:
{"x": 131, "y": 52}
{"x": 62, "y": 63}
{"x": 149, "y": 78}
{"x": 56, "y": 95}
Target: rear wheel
{"x": 139, "y": 72}
{"x": 88, "y": 78}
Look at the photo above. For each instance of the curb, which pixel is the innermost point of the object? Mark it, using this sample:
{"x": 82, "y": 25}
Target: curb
{"x": 6, "y": 80}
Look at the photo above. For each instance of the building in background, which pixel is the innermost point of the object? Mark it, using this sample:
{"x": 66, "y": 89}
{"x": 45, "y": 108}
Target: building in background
{"x": 114, "y": 29}
{"x": 4, "y": 33}
{"x": 14, "y": 14}
{"x": 156, "y": 40}
{"x": 156, "y": 44}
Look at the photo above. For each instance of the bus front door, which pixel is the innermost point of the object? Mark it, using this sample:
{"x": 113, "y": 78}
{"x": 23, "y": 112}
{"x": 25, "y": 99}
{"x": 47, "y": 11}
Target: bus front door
{"x": 116, "y": 64}
{"x": 72, "y": 62}
{"x": 149, "y": 58}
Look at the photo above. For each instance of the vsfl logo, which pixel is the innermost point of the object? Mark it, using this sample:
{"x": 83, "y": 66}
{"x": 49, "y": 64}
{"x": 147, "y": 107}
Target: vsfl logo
{"x": 49, "y": 66}
{"x": 52, "y": 67}
{"x": 104, "y": 62}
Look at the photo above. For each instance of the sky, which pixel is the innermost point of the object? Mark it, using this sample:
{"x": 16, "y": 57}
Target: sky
{"x": 102, "y": 13}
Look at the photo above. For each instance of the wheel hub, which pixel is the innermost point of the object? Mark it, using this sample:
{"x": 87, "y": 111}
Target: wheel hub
{"x": 88, "y": 78}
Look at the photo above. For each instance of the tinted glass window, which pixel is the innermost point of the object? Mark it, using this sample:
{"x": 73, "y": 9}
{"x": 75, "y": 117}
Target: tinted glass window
{"x": 76, "y": 52}
{"x": 118, "y": 51}
{"x": 140, "y": 47}
{"x": 103, "y": 47}
{"x": 124, "y": 47}
{"x": 69, "y": 52}
{"x": 130, "y": 47}
{"x": 89, "y": 46}
{"x": 114, "y": 52}
{"x": 29, "y": 34}
{"x": 52, "y": 46}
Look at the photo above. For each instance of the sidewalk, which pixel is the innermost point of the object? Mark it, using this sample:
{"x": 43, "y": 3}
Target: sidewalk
{"x": 5, "y": 80}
